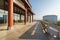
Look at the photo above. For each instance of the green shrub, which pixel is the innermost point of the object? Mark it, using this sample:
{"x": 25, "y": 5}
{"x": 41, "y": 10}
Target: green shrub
{"x": 58, "y": 23}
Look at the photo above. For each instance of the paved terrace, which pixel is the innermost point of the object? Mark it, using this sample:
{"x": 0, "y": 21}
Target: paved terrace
{"x": 14, "y": 34}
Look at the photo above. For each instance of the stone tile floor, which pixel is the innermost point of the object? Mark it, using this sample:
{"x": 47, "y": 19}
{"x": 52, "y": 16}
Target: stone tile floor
{"x": 14, "y": 34}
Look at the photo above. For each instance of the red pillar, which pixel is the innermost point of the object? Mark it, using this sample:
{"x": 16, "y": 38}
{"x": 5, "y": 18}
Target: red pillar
{"x": 25, "y": 17}
{"x": 10, "y": 13}
{"x": 30, "y": 18}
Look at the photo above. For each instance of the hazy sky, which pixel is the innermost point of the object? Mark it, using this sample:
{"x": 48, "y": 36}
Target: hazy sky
{"x": 45, "y": 7}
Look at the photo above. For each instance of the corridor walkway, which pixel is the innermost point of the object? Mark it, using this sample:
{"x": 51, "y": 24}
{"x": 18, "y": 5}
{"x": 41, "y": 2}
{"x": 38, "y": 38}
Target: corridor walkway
{"x": 18, "y": 30}
{"x": 35, "y": 33}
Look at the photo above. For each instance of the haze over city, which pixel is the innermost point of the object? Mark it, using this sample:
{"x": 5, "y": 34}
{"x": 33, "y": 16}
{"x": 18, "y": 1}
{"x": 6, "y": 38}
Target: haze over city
{"x": 45, "y": 7}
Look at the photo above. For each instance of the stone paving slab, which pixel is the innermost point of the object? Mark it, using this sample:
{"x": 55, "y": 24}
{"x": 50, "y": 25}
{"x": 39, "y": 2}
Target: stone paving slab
{"x": 15, "y": 33}
{"x": 29, "y": 39}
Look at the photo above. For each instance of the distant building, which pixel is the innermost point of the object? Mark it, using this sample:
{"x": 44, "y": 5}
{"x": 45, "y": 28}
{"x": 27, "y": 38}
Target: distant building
{"x": 50, "y": 18}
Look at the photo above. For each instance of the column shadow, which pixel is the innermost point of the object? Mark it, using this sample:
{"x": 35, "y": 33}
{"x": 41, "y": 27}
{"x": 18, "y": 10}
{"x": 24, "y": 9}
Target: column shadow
{"x": 37, "y": 35}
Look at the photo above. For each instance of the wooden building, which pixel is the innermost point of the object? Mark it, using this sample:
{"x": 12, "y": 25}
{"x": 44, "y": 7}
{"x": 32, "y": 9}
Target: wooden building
{"x": 19, "y": 7}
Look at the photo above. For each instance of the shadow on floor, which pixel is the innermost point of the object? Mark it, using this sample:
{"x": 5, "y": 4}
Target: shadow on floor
{"x": 27, "y": 34}
{"x": 38, "y": 34}
{"x": 3, "y": 29}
